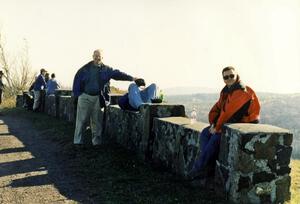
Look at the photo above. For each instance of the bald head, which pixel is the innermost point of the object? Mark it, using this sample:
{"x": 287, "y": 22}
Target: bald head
{"x": 97, "y": 56}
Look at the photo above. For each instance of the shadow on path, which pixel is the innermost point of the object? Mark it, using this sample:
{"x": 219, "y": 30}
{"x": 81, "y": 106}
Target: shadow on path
{"x": 45, "y": 165}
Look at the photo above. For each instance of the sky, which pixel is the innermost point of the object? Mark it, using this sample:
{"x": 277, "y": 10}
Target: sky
{"x": 174, "y": 43}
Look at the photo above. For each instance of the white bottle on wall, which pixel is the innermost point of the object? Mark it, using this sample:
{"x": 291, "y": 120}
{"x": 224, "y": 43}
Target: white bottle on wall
{"x": 193, "y": 116}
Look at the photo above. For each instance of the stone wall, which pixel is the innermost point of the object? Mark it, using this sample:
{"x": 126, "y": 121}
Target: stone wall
{"x": 66, "y": 108}
{"x": 19, "y": 100}
{"x": 134, "y": 130}
{"x": 253, "y": 164}
{"x": 176, "y": 143}
{"x": 50, "y": 105}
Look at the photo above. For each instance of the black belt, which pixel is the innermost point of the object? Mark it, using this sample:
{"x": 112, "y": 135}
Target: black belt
{"x": 92, "y": 94}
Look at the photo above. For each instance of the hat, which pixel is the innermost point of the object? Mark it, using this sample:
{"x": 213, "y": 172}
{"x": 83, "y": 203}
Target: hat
{"x": 43, "y": 70}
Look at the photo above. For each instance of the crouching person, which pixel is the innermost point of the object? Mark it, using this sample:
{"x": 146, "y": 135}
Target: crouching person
{"x": 137, "y": 95}
{"x": 237, "y": 104}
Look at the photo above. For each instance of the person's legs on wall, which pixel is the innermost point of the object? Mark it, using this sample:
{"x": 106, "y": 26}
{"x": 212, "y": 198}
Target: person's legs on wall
{"x": 148, "y": 93}
{"x": 134, "y": 95}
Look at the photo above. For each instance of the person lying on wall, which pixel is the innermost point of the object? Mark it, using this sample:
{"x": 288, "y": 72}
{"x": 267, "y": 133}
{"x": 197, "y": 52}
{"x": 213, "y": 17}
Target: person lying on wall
{"x": 238, "y": 103}
{"x": 138, "y": 94}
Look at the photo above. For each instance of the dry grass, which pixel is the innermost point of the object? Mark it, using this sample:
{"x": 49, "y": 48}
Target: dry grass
{"x": 9, "y": 102}
{"x": 295, "y": 185}
{"x": 115, "y": 90}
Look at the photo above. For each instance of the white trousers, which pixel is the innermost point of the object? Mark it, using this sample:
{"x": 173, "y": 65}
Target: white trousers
{"x": 37, "y": 99}
{"x": 88, "y": 110}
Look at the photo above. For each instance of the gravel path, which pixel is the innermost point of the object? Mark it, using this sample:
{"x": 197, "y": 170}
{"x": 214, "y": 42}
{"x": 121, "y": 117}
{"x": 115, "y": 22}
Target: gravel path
{"x": 32, "y": 168}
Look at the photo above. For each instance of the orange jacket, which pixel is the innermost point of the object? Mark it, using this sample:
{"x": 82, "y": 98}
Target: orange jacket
{"x": 238, "y": 104}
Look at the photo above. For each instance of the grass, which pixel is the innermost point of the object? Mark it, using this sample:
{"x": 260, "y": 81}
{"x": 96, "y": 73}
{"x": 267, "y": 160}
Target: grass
{"x": 113, "y": 175}
{"x": 295, "y": 184}
{"x": 8, "y": 103}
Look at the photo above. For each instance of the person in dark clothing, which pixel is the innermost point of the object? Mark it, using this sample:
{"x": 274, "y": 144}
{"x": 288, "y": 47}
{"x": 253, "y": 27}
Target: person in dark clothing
{"x": 237, "y": 104}
{"x": 47, "y": 77}
{"x": 28, "y": 97}
{"x": 28, "y": 100}
{"x": 39, "y": 90}
{"x": 1, "y": 86}
{"x": 90, "y": 86}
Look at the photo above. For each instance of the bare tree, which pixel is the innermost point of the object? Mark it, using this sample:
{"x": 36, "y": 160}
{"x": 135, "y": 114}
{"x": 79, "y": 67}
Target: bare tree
{"x": 18, "y": 73}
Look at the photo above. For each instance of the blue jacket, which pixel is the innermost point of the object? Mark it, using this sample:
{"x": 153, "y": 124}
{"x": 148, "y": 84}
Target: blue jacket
{"x": 105, "y": 73}
{"x": 39, "y": 83}
{"x": 52, "y": 85}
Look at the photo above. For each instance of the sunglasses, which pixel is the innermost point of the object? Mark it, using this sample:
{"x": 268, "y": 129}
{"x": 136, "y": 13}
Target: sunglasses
{"x": 231, "y": 76}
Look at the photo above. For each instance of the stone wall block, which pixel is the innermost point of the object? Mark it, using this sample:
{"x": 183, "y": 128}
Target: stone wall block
{"x": 66, "y": 108}
{"x": 257, "y": 163}
{"x": 151, "y": 111}
{"x": 50, "y": 105}
{"x": 125, "y": 128}
{"x": 246, "y": 164}
{"x": 176, "y": 144}
{"x": 133, "y": 129}
{"x": 288, "y": 139}
{"x": 19, "y": 100}
{"x": 70, "y": 111}
{"x": 63, "y": 92}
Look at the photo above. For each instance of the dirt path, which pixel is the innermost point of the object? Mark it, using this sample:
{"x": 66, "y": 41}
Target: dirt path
{"x": 31, "y": 168}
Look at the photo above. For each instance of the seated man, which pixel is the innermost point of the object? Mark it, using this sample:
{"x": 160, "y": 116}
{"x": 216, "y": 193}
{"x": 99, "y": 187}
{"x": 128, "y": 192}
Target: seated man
{"x": 137, "y": 95}
{"x": 238, "y": 103}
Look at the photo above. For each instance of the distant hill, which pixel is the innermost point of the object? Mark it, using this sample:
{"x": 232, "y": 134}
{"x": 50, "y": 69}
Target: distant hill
{"x": 188, "y": 90}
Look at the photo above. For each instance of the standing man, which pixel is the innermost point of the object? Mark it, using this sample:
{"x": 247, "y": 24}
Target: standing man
{"x": 90, "y": 87}
{"x": 1, "y": 86}
{"x": 39, "y": 86}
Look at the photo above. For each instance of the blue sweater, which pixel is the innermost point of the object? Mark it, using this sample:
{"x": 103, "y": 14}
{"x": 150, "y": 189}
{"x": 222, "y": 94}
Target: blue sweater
{"x": 52, "y": 85}
{"x": 40, "y": 83}
{"x": 105, "y": 73}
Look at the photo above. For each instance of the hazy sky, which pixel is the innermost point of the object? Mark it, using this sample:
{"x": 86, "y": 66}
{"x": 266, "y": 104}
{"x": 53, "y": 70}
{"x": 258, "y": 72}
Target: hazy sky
{"x": 170, "y": 42}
